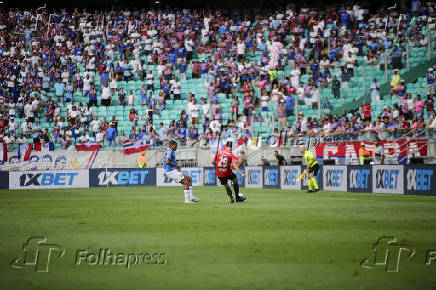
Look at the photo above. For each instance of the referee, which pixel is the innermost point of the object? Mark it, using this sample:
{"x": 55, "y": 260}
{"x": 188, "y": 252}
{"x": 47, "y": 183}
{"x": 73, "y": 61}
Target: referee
{"x": 312, "y": 168}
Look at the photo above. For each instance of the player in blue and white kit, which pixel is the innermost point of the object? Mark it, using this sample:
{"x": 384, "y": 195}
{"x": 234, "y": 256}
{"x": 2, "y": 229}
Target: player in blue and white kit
{"x": 172, "y": 171}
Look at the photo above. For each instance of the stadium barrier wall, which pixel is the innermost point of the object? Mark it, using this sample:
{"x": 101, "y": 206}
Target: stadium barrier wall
{"x": 394, "y": 179}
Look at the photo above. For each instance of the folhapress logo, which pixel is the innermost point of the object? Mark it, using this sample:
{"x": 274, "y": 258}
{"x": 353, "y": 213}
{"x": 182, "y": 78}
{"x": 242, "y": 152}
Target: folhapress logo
{"x": 37, "y": 254}
{"x": 387, "y": 254}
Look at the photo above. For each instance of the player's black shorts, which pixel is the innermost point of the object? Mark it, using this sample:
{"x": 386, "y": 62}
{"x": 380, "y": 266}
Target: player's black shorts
{"x": 314, "y": 169}
{"x": 225, "y": 179}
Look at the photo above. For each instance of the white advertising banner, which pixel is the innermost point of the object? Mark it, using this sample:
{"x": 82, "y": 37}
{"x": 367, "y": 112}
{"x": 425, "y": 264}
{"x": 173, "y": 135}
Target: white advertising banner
{"x": 288, "y": 176}
{"x": 388, "y": 179}
{"x": 48, "y": 179}
{"x": 254, "y": 177}
{"x": 335, "y": 178}
{"x": 195, "y": 173}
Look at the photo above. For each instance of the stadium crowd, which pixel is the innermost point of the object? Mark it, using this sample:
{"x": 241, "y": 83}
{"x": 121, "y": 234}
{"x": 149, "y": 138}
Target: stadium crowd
{"x": 46, "y": 57}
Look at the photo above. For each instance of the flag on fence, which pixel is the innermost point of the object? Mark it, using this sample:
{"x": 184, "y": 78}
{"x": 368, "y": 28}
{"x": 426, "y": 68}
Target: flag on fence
{"x": 44, "y": 147}
{"x": 24, "y": 151}
{"x": 88, "y": 147}
{"x": 3, "y": 152}
{"x": 131, "y": 147}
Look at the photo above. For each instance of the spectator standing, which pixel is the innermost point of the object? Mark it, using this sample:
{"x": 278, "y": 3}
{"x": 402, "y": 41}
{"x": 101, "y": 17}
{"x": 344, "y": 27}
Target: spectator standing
{"x": 111, "y": 134}
{"x": 375, "y": 93}
{"x": 366, "y": 111}
{"x": 195, "y": 111}
{"x": 430, "y": 82}
{"x": 281, "y": 114}
{"x": 106, "y": 95}
{"x": 59, "y": 88}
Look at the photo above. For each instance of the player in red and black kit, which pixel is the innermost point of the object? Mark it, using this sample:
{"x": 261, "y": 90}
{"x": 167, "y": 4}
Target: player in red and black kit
{"x": 223, "y": 161}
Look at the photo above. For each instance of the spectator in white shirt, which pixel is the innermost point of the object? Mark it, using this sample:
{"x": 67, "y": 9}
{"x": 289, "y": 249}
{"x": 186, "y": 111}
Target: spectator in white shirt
{"x": 106, "y": 96}
{"x": 195, "y": 110}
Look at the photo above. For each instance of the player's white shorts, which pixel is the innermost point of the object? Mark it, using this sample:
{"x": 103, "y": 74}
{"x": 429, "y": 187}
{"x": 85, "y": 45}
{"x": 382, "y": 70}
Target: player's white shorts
{"x": 175, "y": 175}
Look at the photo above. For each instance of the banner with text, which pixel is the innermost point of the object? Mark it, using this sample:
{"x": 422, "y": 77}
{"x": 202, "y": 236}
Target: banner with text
{"x": 420, "y": 179}
{"x": 122, "y": 176}
{"x": 350, "y": 150}
{"x": 271, "y": 177}
{"x": 288, "y": 177}
{"x": 388, "y": 179}
{"x": 48, "y": 179}
{"x": 209, "y": 176}
{"x": 195, "y": 173}
{"x": 359, "y": 178}
{"x": 254, "y": 177}
{"x": 335, "y": 178}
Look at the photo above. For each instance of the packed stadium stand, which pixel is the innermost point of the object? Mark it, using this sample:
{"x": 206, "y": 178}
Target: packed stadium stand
{"x": 107, "y": 77}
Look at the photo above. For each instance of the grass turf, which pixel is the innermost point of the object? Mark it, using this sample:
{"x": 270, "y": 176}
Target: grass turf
{"x": 278, "y": 239}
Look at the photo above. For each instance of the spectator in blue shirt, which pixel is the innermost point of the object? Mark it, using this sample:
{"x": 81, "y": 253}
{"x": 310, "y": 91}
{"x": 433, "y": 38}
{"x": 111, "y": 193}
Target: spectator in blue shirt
{"x": 111, "y": 133}
{"x": 396, "y": 58}
{"x": 59, "y": 91}
{"x": 92, "y": 96}
{"x": 289, "y": 105}
{"x": 133, "y": 136}
{"x": 69, "y": 92}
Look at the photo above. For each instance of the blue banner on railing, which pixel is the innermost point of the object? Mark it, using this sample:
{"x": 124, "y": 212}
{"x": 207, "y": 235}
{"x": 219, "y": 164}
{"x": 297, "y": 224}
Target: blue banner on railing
{"x": 209, "y": 176}
{"x": 359, "y": 178}
{"x": 241, "y": 180}
{"x": 420, "y": 179}
{"x": 122, "y": 176}
{"x": 271, "y": 177}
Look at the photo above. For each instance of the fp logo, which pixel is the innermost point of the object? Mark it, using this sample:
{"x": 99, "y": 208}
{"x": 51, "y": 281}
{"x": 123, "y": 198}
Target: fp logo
{"x": 387, "y": 253}
{"x": 37, "y": 254}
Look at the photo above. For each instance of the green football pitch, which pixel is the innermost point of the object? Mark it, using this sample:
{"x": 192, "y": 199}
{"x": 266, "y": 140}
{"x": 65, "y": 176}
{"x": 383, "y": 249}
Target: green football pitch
{"x": 278, "y": 239}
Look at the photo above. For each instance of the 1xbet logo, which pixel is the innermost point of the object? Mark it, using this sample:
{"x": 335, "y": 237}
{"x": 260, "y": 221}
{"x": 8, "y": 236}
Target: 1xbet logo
{"x": 254, "y": 176}
{"x": 37, "y": 254}
{"x": 388, "y": 253}
{"x": 59, "y": 178}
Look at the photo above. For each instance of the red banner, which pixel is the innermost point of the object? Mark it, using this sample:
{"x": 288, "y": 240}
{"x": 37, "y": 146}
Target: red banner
{"x": 413, "y": 147}
{"x": 88, "y": 147}
{"x": 131, "y": 147}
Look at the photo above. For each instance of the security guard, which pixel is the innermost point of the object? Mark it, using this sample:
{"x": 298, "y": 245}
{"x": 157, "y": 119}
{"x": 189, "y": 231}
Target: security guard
{"x": 142, "y": 160}
{"x": 363, "y": 154}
